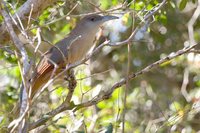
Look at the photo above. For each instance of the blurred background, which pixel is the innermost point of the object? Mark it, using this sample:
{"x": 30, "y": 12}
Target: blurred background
{"x": 166, "y": 99}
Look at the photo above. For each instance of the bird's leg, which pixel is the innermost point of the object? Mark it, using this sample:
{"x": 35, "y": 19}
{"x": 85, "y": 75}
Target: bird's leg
{"x": 70, "y": 77}
{"x": 72, "y": 80}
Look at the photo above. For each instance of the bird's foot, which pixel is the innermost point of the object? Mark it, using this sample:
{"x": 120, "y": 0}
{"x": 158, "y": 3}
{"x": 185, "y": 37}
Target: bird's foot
{"x": 70, "y": 77}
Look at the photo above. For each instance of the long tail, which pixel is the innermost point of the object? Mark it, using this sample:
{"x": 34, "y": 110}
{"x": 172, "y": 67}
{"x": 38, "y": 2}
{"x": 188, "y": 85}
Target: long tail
{"x": 39, "y": 80}
{"x": 37, "y": 85}
{"x": 35, "y": 88}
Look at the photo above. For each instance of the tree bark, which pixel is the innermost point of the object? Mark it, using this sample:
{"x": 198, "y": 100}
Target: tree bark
{"x": 37, "y": 7}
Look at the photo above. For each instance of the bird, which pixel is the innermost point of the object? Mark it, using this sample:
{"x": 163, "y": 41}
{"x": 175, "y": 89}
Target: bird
{"x": 69, "y": 50}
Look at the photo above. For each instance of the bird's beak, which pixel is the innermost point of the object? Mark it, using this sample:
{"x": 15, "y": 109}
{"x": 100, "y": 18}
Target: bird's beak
{"x": 108, "y": 17}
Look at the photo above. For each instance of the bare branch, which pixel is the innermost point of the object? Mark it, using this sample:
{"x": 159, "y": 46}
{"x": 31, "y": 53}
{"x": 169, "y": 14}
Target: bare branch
{"x": 185, "y": 84}
{"x": 123, "y": 81}
{"x": 23, "y": 13}
{"x": 105, "y": 95}
{"x": 195, "y": 51}
{"x": 191, "y": 24}
{"x": 130, "y": 38}
{"x": 101, "y": 96}
{"x": 25, "y": 68}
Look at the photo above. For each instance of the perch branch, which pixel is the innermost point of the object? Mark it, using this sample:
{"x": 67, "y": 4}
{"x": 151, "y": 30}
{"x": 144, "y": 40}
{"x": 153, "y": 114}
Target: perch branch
{"x": 105, "y": 95}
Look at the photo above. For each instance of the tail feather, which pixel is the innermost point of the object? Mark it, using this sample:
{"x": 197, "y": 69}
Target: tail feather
{"x": 40, "y": 81}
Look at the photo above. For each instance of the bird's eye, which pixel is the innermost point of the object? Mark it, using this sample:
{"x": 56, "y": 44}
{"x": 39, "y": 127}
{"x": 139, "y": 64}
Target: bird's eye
{"x": 92, "y": 19}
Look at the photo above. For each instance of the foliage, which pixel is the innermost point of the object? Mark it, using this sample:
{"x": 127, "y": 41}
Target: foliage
{"x": 155, "y": 101}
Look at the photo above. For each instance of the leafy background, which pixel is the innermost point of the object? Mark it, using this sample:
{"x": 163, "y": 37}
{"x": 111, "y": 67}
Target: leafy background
{"x": 155, "y": 100}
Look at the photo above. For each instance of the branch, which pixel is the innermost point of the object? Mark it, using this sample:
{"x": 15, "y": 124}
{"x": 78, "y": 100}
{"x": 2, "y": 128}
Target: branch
{"x": 150, "y": 14}
{"x": 191, "y": 24}
{"x": 194, "y": 51}
{"x": 67, "y": 106}
{"x": 70, "y": 66}
{"x": 185, "y": 84}
{"x": 105, "y": 95}
{"x": 23, "y": 14}
{"x": 24, "y": 70}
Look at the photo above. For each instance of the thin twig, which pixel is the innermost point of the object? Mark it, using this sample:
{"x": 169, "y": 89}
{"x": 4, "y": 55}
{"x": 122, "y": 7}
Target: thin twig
{"x": 29, "y": 17}
{"x": 97, "y": 7}
{"x": 105, "y": 95}
{"x": 94, "y": 74}
{"x": 195, "y": 51}
{"x": 23, "y": 13}
{"x": 25, "y": 67}
{"x": 79, "y": 15}
{"x": 56, "y": 20}
{"x": 191, "y": 24}
{"x": 130, "y": 38}
{"x": 99, "y": 98}
{"x": 70, "y": 66}
{"x": 184, "y": 85}
{"x": 127, "y": 83}
{"x": 123, "y": 81}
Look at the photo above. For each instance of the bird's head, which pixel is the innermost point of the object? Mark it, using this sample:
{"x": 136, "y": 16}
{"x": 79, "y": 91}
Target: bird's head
{"x": 96, "y": 20}
{"x": 93, "y": 22}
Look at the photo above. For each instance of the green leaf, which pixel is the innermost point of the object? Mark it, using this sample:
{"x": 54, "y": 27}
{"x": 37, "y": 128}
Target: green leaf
{"x": 59, "y": 91}
{"x": 182, "y": 4}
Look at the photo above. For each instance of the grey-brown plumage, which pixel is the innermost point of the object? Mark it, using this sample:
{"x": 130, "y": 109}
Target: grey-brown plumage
{"x": 69, "y": 50}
